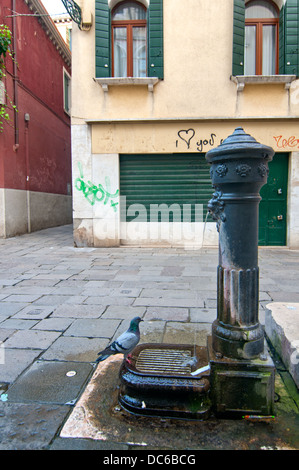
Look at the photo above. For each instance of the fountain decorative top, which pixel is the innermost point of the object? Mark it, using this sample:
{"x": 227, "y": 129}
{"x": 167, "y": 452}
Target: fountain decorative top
{"x": 239, "y": 145}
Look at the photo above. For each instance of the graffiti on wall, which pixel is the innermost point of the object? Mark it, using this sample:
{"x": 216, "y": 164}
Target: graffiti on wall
{"x": 96, "y": 193}
{"x": 283, "y": 143}
{"x": 188, "y": 136}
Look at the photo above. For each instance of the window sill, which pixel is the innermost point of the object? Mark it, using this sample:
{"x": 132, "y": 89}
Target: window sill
{"x": 114, "y": 81}
{"x": 242, "y": 80}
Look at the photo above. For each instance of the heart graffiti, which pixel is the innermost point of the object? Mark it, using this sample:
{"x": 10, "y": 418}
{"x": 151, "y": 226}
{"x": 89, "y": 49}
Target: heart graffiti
{"x": 187, "y": 136}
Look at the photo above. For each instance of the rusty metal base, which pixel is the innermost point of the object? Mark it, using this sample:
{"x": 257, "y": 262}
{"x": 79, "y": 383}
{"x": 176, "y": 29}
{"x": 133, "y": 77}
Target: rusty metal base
{"x": 157, "y": 380}
{"x": 241, "y": 387}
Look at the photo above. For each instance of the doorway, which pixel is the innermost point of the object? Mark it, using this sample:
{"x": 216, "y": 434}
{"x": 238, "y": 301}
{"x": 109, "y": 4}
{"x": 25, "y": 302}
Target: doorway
{"x": 273, "y": 207}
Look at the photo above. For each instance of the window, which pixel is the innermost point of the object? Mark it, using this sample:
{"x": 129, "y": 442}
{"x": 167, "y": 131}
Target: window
{"x": 261, "y": 38}
{"x": 261, "y": 48}
{"x": 137, "y": 36}
{"x": 69, "y": 37}
{"x": 66, "y": 92}
{"x": 129, "y": 40}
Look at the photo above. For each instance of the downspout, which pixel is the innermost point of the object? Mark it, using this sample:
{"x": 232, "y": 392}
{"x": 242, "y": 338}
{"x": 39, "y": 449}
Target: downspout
{"x": 27, "y": 119}
{"x": 15, "y": 79}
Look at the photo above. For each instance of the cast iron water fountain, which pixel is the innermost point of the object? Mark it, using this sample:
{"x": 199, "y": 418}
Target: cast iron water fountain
{"x": 234, "y": 374}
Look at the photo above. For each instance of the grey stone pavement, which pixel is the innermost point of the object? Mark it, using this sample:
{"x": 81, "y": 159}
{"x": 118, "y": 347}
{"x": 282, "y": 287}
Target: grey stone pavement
{"x": 59, "y": 305}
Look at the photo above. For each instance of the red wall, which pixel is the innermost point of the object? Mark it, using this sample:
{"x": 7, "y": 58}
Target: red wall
{"x": 44, "y": 152}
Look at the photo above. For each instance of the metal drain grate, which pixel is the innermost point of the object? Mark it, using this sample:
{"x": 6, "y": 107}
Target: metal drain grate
{"x": 165, "y": 361}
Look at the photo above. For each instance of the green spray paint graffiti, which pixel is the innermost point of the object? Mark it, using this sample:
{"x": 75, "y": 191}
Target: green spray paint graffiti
{"x": 93, "y": 193}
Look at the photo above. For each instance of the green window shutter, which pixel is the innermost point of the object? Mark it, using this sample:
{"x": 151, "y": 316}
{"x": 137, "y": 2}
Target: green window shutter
{"x": 238, "y": 37}
{"x": 155, "y": 39}
{"x": 291, "y": 37}
{"x": 102, "y": 42}
{"x": 281, "y": 41}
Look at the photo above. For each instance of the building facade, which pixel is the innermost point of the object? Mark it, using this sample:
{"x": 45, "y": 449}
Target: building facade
{"x": 64, "y": 25}
{"x": 35, "y": 145}
{"x": 158, "y": 83}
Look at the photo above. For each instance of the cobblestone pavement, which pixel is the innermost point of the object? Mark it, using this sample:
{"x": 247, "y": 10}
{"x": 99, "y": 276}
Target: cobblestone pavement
{"x": 59, "y": 305}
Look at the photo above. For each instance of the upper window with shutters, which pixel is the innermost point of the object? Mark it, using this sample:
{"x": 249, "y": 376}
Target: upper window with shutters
{"x": 129, "y": 42}
{"x": 261, "y": 38}
{"x": 265, "y": 41}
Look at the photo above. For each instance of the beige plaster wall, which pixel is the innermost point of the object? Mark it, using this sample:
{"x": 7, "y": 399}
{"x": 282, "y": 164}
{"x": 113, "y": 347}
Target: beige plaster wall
{"x": 191, "y": 110}
{"x": 197, "y": 70}
{"x": 189, "y": 136}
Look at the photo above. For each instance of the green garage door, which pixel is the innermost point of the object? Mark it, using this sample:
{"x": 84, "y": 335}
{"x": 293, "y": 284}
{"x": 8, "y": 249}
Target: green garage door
{"x": 152, "y": 180}
{"x": 273, "y": 207}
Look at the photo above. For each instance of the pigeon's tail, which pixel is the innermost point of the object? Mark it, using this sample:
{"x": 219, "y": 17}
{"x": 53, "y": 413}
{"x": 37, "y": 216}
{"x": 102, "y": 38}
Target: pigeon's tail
{"x": 102, "y": 357}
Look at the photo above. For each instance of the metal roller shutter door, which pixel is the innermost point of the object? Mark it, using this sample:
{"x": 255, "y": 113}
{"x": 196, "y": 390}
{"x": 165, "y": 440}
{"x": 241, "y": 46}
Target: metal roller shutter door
{"x": 165, "y": 179}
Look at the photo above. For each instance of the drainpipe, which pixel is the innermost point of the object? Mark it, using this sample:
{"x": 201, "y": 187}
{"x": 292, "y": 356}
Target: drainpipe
{"x": 27, "y": 119}
{"x": 15, "y": 84}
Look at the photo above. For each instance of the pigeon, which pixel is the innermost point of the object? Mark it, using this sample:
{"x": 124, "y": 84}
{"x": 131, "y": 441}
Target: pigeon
{"x": 125, "y": 343}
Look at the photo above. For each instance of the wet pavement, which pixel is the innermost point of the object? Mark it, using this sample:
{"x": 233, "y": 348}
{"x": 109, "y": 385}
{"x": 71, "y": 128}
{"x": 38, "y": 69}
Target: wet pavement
{"x": 60, "y": 305}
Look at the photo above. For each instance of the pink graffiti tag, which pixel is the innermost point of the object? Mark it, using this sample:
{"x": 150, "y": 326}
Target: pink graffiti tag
{"x": 282, "y": 143}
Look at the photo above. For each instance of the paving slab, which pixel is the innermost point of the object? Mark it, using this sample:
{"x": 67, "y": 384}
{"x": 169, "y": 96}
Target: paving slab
{"x": 3, "y": 296}
{"x": 173, "y": 293}
{"x": 69, "y": 348}
{"x": 53, "y": 324}
{"x": 8, "y": 282}
{"x": 4, "y": 334}
{"x": 112, "y": 292}
{"x": 10, "y": 308}
{"x": 24, "y": 290}
{"x": 152, "y": 331}
{"x": 50, "y": 382}
{"x": 32, "y": 339}
{"x": 39, "y": 283}
{"x": 123, "y": 312}
{"x": 22, "y": 298}
{"x": 168, "y": 302}
{"x": 111, "y": 300}
{"x": 29, "y": 427}
{"x": 187, "y": 333}
{"x": 51, "y": 300}
{"x": 281, "y": 296}
{"x": 93, "y": 328}
{"x": 167, "y": 314}
{"x": 18, "y": 323}
{"x": 78, "y": 311}
{"x": 203, "y": 315}
{"x": 15, "y": 362}
{"x": 32, "y": 312}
